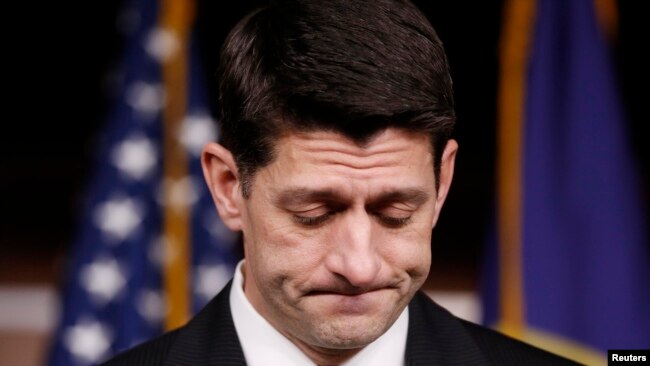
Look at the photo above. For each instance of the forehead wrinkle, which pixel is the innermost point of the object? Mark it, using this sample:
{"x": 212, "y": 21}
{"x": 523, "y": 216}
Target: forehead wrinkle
{"x": 327, "y": 160}
{"x": 344, "y": 160}
{"x": 298, "y": 195}
{"x": 317, "y": 148}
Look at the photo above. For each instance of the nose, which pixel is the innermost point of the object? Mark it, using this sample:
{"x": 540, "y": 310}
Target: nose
{"x": 354, "y": 256}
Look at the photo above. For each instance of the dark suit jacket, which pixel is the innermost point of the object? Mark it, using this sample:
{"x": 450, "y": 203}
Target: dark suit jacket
{"x": 435, "y": 337}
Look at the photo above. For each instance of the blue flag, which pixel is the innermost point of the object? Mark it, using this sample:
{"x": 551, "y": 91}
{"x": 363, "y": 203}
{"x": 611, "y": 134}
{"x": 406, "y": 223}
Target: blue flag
{"x": 584, "y": 254}
{"x": 114, "y": 291}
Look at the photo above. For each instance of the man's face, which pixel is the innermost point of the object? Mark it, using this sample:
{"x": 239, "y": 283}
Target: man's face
{"x": 337, "y": 236}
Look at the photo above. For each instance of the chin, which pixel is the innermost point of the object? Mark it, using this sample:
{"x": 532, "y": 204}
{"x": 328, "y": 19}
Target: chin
{"x": 349, "y": 332}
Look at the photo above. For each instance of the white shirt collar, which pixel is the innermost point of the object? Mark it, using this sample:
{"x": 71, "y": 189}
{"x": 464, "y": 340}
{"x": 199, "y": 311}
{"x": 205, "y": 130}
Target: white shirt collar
{"x": 264, "y": 345}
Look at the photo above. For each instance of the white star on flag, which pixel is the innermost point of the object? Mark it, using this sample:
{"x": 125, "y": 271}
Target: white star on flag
{"x": 103, "y": 279}
{"x": 145, "y": 98}
{"x": 197, "y": 130}
{"x": 119, "y": 217}
{"x": 135, "y": 157}
{"x": 209, "y": 279}
{"x": 157, "y": 252}
{"x": 151, "y": 306}
{"x": 88, "y": 341}
{"x": 179, "y": 193}
{"x": 161, "y": 44}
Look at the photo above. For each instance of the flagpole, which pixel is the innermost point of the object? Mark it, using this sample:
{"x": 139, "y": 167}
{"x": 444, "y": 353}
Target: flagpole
{"x": 176, "y": 18}
{"x": 514, "y": 52}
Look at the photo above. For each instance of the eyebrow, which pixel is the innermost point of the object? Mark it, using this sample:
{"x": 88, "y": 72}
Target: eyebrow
{"x": 294, "y": 196}
{"x": 413, "y": 196}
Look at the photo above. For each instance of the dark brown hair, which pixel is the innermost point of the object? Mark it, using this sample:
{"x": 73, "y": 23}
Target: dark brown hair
{"x": 350, "y": 66}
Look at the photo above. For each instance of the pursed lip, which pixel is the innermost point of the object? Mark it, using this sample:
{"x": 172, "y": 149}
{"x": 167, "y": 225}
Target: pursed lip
{"x": 350, "y": 302}
{"x": 350, "y": 292}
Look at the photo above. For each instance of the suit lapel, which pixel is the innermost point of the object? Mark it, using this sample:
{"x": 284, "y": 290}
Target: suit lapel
{"x": 435, "y": 337}
{"x": 210, "y": 337}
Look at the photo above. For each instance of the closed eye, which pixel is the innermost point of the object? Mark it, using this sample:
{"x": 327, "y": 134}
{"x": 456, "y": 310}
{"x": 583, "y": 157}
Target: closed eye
{"x": 312, "y": 220}
{"x": 394, "y": 222}
{"x": 394, "y": 215}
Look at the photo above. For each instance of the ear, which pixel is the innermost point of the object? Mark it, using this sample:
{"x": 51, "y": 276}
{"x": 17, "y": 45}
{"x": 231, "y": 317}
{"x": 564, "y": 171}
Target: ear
{"x": 222, "y": 177}
{"x": 446, "y": 174}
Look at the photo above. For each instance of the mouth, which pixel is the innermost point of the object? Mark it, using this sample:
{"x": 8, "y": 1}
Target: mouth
{"x": 338, "y": 293}
{"x": 352, "y": 291}
{"x": 350, "y": 302}
{"x": 347, "y": 291}
{"x": 349, "y": 295}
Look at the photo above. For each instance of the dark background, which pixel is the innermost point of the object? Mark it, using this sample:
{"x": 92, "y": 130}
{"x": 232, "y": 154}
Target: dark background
{"x": 56, "y": 98}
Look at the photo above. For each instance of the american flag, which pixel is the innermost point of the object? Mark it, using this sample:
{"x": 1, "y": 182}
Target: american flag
{"x": 116, "y": 292}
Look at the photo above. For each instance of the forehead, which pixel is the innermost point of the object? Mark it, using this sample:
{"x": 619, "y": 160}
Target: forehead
{"x": 321, "y": 158}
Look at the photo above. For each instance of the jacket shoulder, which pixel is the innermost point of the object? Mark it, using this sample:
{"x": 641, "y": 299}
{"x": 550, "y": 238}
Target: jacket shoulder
{"x": 438, "y": 337}
{"x": 502, "y": 349}
{"x": 150, "y": 353}
{"x": 209, "y": 338}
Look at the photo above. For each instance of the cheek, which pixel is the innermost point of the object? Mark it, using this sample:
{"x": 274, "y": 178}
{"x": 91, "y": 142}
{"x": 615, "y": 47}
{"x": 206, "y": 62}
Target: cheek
{"x": 409, "y": 251}
{"x": 278, "y": 249}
